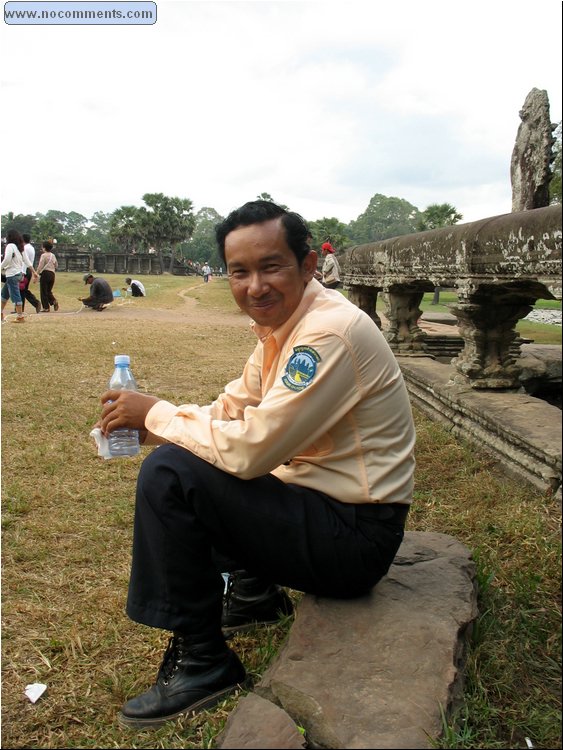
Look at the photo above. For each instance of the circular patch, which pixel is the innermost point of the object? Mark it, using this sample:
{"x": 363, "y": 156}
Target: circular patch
{"x": 301, "y": 368}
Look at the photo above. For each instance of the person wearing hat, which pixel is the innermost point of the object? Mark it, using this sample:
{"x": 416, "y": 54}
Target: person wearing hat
{"x": 206, "y": 271}
{"x": 331, "y": 267}
{"x": 100, "y": 293}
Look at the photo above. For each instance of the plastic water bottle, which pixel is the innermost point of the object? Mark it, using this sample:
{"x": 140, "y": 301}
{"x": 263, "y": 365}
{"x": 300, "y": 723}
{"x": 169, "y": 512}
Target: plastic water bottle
{"x": 123, "y": 442}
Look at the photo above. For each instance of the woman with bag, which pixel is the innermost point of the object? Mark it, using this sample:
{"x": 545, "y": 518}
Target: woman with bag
{"x": 12, "y": 267}
{"x": 46, "y": 268}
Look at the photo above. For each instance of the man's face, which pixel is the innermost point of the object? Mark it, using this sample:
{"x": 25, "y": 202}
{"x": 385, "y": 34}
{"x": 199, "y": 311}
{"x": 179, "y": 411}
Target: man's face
{"x": 265, "y": 278}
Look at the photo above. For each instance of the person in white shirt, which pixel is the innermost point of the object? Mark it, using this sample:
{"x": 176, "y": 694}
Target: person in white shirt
{"x": 29, "y": 255}
{"x": 13, "y": 265}
{"x": 136, "y": 287}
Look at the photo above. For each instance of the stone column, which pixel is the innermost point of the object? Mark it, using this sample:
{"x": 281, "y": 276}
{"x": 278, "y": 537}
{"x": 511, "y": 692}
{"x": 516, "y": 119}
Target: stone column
{"x": 366, "y": 299}
{"x": 403, "y": 333}
{"x": 488, "y": 330}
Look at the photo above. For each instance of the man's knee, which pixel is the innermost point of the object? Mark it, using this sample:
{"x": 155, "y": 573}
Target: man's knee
{"x": 171, "y": 463}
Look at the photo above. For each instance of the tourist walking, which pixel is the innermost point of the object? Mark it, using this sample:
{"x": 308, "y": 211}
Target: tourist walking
{"x": 29, "y": 274}
{"x": 46, "y": 268}
{"x": 12, "y": 268}
{"x": 206, "y": 271}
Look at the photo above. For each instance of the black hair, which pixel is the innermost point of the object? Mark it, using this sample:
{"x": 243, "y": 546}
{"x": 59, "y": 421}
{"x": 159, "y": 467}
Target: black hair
{"x": 258, "y": 212}
{"x": 47, "y": 245}
{"x": 26, "y": 237}
{"x": 14, "y": 236}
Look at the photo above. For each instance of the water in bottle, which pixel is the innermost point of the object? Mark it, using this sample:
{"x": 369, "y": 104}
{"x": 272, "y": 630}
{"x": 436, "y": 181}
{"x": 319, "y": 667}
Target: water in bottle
{"x": 123, "y": 442}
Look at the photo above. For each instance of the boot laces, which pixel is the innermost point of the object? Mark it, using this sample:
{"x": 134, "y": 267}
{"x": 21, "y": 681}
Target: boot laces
{"x": 175, "y": 650}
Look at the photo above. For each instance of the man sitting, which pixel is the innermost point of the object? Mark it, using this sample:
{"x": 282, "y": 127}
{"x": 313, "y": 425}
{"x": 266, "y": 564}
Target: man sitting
{"x": 100, "y": 293}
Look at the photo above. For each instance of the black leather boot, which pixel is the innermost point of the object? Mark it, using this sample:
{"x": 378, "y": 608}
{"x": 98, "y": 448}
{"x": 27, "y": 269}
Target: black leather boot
{"x": 192, "y": 677}
{"x": 250, "y": 601}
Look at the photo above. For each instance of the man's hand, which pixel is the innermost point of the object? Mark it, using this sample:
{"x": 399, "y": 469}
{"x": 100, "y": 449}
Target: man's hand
{"x": 125, "y": 409}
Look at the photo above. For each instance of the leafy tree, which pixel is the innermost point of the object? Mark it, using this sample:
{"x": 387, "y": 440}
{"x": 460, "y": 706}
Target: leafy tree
{"x": 438, "y": 215}
{"x": 126, "y": 228}
{"x": 555, "y": 184}
{"x": 329, "y": 230}
{"x": 23, "y": 223}
{"x": 62, "y": 226}
{"x": 47, "y": 226}
{"x": 74, "y": 227}
{"x": 384, "y": 217}
{"x": 203, "y": 245}
{"x": 98, "y": 231}
{"x": 167, "y": 222}
{"x": 434, "y": 216}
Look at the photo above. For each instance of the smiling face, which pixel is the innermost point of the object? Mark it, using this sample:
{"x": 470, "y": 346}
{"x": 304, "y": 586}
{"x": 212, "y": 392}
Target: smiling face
{"x": 266, "y": 280}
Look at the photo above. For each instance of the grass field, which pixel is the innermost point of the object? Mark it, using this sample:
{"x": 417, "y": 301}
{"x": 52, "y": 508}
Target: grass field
{"x": 67, "y": 525}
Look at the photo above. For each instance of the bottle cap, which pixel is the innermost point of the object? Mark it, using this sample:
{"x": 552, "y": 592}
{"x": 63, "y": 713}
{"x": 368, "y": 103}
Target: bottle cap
{"x": 122, "y": 359}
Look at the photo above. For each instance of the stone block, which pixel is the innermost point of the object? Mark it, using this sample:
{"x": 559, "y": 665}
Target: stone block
{"x": 377, "y": 672}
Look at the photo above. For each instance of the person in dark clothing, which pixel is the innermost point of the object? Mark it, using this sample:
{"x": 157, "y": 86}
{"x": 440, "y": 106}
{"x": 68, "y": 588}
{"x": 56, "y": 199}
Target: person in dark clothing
{"x": 26, "y": 293}
{"x": 100, "y": 293}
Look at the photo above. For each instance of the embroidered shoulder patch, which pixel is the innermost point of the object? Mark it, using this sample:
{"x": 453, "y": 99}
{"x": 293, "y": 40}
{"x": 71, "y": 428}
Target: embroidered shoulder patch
{"x": 301, "y": 368}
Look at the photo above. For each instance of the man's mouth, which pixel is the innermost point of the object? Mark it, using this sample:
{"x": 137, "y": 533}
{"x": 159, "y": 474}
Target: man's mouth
{"x": 263, "y": 303}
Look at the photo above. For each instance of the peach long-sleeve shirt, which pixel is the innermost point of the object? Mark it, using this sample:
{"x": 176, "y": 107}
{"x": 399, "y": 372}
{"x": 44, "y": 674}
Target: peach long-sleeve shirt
{"x": 321, "y": 403}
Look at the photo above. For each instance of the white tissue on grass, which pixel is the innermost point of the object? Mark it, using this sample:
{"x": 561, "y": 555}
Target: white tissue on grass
{"x": 101, "y": 442}
{"x": 35, "y": 691}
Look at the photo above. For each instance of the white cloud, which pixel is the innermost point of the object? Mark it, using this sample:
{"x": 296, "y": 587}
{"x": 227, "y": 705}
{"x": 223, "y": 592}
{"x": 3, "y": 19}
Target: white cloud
{"x": 320, "y": 104}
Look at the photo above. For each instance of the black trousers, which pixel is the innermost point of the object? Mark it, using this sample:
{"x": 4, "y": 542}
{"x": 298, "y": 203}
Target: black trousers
{"x": 27, "y": 294}
{"x": 46, "y": 284}
{"x": 188, "y": 513}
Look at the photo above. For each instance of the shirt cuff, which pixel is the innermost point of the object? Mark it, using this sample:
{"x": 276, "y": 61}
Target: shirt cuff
{"x": 159, "y": 417}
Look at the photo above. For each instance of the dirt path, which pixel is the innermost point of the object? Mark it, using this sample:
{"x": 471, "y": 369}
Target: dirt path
{"x": 131, "y": 308}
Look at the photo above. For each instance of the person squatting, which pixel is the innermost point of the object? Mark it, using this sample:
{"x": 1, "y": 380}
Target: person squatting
{"x": 299, "y": 475}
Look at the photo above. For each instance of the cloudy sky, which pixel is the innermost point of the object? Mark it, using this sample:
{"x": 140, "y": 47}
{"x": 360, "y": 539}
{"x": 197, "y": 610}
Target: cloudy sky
{"x": 321, "y": 104}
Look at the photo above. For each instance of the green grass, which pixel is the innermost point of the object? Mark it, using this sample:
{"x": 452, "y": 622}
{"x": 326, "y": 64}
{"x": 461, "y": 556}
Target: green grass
{"x": 67, "y": 525}
{"x": 449, "y": 298}
{"x": 539, "y": 333}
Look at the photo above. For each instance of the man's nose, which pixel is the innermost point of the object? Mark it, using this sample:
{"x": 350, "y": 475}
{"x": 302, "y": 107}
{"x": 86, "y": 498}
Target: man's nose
{"x": 257, "y": 283}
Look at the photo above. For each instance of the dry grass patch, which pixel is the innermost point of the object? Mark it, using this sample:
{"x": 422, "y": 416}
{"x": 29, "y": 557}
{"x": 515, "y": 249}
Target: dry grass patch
{"x": 67, "y": 532}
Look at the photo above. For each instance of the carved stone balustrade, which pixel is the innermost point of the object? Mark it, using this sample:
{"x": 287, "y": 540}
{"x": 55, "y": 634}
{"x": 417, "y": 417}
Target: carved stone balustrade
{"x": 499, "y": 266}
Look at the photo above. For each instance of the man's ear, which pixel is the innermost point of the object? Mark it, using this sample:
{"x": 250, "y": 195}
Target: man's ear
{"x": 310, "y": 265}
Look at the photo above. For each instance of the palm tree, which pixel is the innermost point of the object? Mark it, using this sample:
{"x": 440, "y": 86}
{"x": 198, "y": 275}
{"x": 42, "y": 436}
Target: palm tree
{"x": 438, "y": 215}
